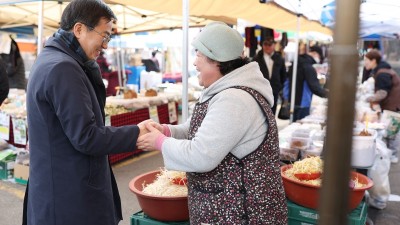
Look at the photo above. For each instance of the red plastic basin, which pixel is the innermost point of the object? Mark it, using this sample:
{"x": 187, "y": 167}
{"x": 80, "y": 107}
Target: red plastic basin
{"x": 159, "y": 207}
{"x": 307, "y": 195}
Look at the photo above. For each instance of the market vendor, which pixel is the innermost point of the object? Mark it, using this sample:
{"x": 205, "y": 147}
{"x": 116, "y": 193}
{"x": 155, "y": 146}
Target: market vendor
{"x": 229, "y": 148}
{"x": 387, "y": 82}
{"x": 387, "y": 92}
{"x": 70, "y": 180}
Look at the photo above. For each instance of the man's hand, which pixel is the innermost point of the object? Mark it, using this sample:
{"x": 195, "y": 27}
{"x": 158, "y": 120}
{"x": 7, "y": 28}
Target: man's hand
{"x": 149, "y": 140}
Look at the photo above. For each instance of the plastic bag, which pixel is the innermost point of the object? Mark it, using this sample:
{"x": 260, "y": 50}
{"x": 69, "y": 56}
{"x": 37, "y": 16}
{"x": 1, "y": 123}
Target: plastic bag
{"x": 379, "y": 173}
{"x": 392, "y": 121}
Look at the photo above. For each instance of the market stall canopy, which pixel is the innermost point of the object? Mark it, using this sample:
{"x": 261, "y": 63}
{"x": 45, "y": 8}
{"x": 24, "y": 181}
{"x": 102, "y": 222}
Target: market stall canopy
{"x": 20, "y": 13}
{"x": 267, "y": 14}
{"x": 376, "y": 16}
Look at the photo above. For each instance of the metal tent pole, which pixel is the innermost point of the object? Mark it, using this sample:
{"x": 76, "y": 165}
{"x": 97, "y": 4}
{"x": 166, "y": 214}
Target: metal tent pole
{"x": 294, "y": 74}
{"x": 185, "y": 28}
{"x": 123, "y": 72}
{"x": 119, "y": 67}
{"x": 40, "y": 28}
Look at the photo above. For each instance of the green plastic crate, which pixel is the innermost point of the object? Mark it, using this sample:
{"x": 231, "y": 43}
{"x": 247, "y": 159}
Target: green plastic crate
{"x": 21, "y": 181}
{"x": 299, "y": 215}
{"x": 140, "y": 218}
{"x": 296, "y": 222}
{"x": 7, "y": 169}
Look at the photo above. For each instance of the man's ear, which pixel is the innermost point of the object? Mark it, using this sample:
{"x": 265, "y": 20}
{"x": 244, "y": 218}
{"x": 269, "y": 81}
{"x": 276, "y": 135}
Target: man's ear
{"x": 78, "y": 29}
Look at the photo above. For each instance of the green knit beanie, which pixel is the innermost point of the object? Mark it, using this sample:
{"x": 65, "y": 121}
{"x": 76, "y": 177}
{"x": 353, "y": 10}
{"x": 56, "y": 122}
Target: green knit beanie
{"x": 219, "y": 42}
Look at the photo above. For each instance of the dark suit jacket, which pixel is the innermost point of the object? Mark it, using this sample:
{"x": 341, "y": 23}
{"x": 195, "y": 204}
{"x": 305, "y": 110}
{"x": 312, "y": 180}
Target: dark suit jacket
{"x": 70, "y": 179}
{"x": 278, "y": 71}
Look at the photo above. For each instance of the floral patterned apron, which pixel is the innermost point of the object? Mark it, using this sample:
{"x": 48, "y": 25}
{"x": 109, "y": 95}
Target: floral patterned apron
{"x": 239, "y": 191}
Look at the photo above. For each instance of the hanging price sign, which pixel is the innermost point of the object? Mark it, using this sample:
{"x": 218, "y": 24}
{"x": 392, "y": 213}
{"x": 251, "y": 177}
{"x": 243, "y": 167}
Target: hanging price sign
{"x": 4, "y": 126}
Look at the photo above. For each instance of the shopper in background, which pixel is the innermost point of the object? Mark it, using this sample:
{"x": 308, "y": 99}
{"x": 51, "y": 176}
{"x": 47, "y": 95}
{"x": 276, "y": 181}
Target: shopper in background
{"x": 15, "y": 66}
{"x": 155, "y": 61}
{"x": 272, "y": 66}
{"x": 307, "y": 82}
{"x": 4, "y": 85}
{"x": 229, "y": 147}
{"x": 103, "y": 64}
{"x": 152, "y": 64}
{"x": 70, "y": 180}
{"x": 387, "y": 92}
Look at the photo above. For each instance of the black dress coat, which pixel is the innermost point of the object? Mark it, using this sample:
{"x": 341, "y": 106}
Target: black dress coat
{"x": 278, "y": 73}
{"x": 4, "y": 85}
{"x": 70, "y": 180}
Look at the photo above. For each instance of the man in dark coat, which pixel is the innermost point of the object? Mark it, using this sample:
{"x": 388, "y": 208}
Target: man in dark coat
{"x": 307, "y": 83}
{"x": 15, "y": 66}
{"x": 272, "y": 66}
{"x": 4, "y": 86}
{"x": 70, "y": 180}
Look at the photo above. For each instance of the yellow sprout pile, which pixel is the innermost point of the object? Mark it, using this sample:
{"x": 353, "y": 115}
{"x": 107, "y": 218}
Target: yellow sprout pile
{"x": 163, "y": 186}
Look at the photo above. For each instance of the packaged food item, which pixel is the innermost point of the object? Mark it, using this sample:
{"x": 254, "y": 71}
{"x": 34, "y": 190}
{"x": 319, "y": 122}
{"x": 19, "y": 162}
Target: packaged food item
{"x": 288, "y": 154}
{"x": 304, "y": 133}
{"x": 129, "y": 94}
{"x": 300, "y": 143}
{"x": 311, "y": 152}
{"x": 150, "y": 93}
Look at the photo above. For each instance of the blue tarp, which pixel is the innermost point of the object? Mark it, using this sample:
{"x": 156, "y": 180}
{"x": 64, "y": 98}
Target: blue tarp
{"x": 29, "y": 30}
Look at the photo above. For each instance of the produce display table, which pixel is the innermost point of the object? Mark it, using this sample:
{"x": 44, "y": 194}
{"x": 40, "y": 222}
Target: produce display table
{"x": 128, "y": 118}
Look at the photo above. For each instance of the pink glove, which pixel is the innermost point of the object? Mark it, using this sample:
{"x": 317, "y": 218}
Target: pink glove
{"x": 166, "y": 131}
{"x": 152, "y": 140}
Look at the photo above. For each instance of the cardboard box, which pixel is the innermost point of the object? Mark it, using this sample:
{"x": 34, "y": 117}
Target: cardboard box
{"x": 21, "y": 172}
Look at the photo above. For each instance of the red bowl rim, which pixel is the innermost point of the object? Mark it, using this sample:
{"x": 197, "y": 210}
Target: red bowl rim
{"x": 144, "y": 195}
{"x": 286, "y": 167}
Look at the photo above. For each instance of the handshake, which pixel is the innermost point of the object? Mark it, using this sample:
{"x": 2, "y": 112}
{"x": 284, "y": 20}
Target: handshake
{"x": 151, "y": 135}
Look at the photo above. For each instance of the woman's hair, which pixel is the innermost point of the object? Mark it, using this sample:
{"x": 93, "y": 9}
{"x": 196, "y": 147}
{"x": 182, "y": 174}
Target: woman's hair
{"x": 374, "y": 54}
{"x": 229, "y": 66}
{"x": 88, "y": 12}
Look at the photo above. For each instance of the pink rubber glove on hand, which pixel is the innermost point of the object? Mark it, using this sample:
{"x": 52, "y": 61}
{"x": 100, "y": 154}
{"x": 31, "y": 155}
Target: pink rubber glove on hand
{"x": 152, "y": 140}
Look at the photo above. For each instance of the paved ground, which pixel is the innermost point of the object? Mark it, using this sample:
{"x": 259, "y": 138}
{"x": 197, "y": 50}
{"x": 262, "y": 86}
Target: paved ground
{"x": 11, "y": 194}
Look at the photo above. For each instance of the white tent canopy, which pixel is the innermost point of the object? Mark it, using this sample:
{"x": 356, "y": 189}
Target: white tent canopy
{"x": 130, "y": 19}
{"x": 265, "y": 14}
{"x": 139, "y": 15}
{"x": 376, "y": 16}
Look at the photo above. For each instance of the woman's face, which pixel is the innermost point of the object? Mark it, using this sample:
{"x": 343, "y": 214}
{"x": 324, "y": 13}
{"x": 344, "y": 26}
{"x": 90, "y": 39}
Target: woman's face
{"x": 208, "y": 70}
{"x": 369, "y": 63}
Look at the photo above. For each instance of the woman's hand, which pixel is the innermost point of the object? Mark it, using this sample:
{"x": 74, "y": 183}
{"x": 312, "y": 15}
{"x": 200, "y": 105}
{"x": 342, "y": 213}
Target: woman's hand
{"x": 148, "y": 141}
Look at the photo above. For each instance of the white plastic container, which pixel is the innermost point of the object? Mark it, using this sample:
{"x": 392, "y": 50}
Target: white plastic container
{"x": 310, "y": 152}
{"x": 288, "y": 154}
{"x": 363, "y": 150}
{"x": 300, "y": 143}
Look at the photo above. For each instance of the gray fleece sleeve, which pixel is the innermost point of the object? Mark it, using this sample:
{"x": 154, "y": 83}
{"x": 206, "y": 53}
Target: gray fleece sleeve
{"x": 228, "y": 125}
{"x": 378, "y": 96}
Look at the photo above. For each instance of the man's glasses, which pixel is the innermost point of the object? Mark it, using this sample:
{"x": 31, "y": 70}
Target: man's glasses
{"x": 106, "y": 37}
